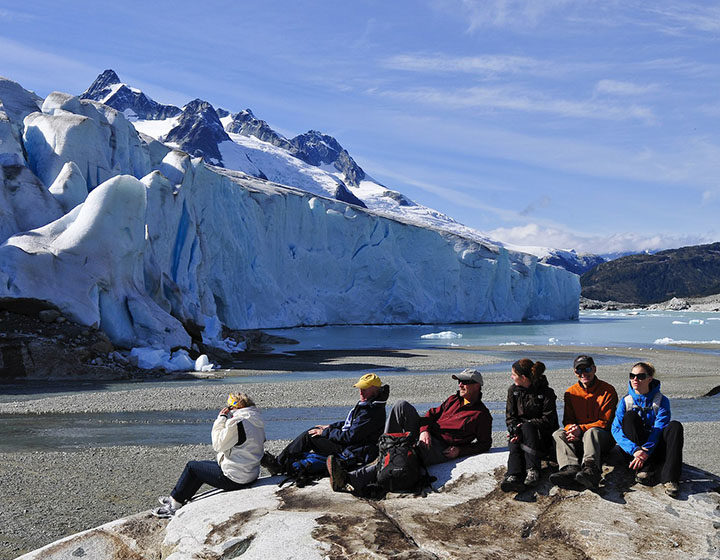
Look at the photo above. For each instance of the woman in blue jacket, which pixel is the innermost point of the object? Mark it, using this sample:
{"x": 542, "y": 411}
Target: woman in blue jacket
{"x": 646, "y": 434}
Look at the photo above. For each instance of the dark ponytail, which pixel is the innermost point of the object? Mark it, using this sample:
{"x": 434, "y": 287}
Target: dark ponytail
{"x": 528, "y": 368}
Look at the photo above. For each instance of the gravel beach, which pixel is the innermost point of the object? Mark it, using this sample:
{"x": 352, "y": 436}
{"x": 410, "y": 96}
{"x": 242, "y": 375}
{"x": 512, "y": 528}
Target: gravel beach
{"x": 49, "y": 494}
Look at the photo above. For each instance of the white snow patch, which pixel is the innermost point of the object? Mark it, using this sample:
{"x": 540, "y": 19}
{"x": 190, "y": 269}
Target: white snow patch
{"x": 180, "y": 360}
{"x": 156, "y": 128}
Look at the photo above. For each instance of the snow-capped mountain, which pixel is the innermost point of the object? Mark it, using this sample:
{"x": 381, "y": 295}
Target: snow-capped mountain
{"x": 131, "y": 102}
{"x": 123, "y": 230}
{"x": 579, "y": 263}
{"x": 198, "y": 131}
{"x": 243, "y": 142}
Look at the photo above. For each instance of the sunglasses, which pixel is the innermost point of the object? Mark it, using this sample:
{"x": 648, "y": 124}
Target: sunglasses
{"x": 581, "y": 370}
{"x": 639, "y": 376}
{"x": 461, "y": 382}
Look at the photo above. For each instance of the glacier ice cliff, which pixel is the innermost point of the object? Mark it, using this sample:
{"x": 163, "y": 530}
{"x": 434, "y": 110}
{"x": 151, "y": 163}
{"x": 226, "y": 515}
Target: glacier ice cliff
{"x": 144, "y": 241}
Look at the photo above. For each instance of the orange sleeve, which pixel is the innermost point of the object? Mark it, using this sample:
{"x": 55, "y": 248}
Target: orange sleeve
{"x": 607, "y": 403}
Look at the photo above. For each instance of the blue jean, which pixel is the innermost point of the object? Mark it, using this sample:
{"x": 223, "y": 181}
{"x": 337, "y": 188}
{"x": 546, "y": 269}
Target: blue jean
{"x": 197, "y": 473}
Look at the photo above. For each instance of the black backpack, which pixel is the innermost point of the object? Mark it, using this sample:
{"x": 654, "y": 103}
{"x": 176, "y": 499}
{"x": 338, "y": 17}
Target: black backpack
{"x": 400, "y": 467}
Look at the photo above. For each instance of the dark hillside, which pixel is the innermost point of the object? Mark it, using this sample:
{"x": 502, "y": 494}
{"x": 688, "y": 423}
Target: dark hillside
{"x": 685, "y": 272}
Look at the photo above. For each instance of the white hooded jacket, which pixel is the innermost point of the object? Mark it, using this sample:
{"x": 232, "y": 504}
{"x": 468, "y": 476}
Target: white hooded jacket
{"x": 239, "y": 462}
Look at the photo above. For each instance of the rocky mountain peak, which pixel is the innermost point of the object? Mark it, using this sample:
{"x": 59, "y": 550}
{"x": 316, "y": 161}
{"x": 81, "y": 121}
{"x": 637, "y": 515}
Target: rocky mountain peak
{"x": 101, "y": 86}
{"x": 317, "y": 148}
{"x": 199, "y": 131}
{"x": 108, "y": 89}
{"x": 247, "y": 124}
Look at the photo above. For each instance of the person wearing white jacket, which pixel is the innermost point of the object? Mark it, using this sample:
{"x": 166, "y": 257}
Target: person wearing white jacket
{"x": 238, "y": 436}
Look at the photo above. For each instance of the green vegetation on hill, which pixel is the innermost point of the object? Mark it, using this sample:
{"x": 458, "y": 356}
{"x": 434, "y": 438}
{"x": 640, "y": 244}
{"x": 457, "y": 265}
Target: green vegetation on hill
{"x": 685, "y": 272}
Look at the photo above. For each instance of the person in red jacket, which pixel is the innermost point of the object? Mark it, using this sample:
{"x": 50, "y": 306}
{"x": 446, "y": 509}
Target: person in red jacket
{"x": 589, "y": 410}
{"x": 462, "y": 425}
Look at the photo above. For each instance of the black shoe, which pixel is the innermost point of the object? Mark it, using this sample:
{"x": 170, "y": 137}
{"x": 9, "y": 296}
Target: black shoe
{"x": 512, "y": 483}
{"x": 270, "y": 463}
{"x": 565, "y": 477}
{"x": 338, "y": 475}
{"x": 589, "y": 476}
{"x": 644, "y": 477}
{"x": 532, "y": 478}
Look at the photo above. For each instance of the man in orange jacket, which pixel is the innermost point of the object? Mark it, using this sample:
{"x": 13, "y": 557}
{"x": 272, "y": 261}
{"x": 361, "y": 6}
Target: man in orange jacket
{"x": 589, "y": 410}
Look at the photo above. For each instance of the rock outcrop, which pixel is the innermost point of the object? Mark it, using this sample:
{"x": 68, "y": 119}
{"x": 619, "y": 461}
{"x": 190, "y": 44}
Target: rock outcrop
{"x": 467, "y": 517}
{"x": 676, "y": 273}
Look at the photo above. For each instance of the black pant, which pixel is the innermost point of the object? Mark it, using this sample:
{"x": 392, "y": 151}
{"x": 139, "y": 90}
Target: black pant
{"x": 667, "y": 455}
{"x": 305, "y": 443}
{"x": 198, "y": 472}
{"x": 526, "y": 452}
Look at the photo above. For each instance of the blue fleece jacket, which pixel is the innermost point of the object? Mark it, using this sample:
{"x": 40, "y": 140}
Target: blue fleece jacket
{"x": 653, "y": 422}
{"x": 360, "y": 431}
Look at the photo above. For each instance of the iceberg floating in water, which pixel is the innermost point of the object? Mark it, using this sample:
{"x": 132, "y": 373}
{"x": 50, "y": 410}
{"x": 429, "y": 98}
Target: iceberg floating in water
{"x": 443, "y": 334}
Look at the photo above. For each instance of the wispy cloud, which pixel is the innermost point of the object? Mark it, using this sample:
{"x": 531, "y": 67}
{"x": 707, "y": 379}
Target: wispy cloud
{"x": 507, "y": 13}
{"x": 547, "y": 236}
{"x": 459, "y": 196}
{"x": 485, "y": 65}
{"x": 14, "y": 15}
{"x": 686, "y": 16}
{"x": 518, "y": 100}
{"x": 615, "y": 87}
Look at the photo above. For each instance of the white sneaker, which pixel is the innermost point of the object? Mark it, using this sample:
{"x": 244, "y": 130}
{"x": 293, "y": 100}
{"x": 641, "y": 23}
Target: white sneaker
{"x": 164, "y": 512}
{"x": 165, "y": 500}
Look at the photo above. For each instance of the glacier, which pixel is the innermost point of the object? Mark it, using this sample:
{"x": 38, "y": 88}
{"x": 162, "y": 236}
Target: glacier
{"x": 150, "y": 244}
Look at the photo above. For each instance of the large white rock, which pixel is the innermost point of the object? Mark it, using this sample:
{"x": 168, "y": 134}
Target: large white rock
{"x": 467, "y": 517}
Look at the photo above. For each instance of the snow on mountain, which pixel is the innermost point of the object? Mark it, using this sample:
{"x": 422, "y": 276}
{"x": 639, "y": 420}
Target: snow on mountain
{"x": 246, "y": 124}
{"x": 123, "y": 232}
{"x": 133, "y": 103}
{"x": 198, "y": 132}
{"x": 340, "y": 177}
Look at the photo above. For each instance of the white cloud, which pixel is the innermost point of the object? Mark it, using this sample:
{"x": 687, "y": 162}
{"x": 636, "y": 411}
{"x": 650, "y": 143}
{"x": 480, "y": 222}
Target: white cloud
{"x": 685, "y": 16}
{"x": 527, "y": 101}
{"x": 507, "y": 13}
{"x": 533, "y": 234}
{"x": 13, "y": 15}
{"x": 487, "y": 64}
{"x": 614, "y": 87}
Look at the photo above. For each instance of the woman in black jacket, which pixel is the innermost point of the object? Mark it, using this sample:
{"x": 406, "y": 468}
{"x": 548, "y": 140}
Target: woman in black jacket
{"x": 531, "y": 419}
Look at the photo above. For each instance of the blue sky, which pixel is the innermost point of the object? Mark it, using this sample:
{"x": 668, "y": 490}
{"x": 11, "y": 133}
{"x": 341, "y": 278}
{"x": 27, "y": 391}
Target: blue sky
{"x": 591, "y": 125}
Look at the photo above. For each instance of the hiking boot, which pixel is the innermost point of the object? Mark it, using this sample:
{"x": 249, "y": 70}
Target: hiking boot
{"x": 164, "y": 512}
{"x": 565, "y": 477}
{"x": 338, "y": 475}
{"x": 589, "y": 476}
{"x": 644, "y": 477}
{"x": 672, "y": 489}
{"x": 532, "y": 477}
{"x": 270, "y": 463}
{"x": 512, "y": 483}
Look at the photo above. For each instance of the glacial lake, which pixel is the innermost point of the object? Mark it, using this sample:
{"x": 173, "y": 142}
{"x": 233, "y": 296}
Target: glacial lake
{"x": 642, "y": 329}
